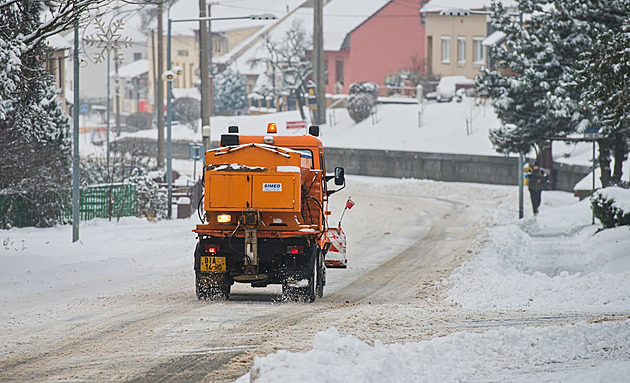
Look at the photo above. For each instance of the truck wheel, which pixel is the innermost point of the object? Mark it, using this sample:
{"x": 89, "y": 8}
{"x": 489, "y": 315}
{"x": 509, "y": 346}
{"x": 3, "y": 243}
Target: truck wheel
{"x": 310, "y": 292}
{"x": 302, "y": 294}
{"x": 215, "y": 287}
{"x": 321, "y": 273}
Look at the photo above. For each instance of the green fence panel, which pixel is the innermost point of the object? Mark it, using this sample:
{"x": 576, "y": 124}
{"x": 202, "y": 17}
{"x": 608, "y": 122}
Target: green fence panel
{"x": 22, "y": 209}
{"x": 108, "y": 201}
{"x": 97, "y": 201}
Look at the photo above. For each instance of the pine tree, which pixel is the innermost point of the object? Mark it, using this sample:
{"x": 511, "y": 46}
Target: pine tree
{"x": 530, "y": 88}
{"x": 230, "y": 91}
{"x": 605, "y": 85}
{"x": 34, "y": 130}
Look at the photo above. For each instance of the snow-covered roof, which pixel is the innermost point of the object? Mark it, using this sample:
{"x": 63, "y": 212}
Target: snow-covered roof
{"x": 434, "y": 6}
{"x": 135, "y": 69}
{"x": 188, "y": 9}
{"x": 186, "y": 93}
{"x": 344, "y": 16}
{"x": 59, "y": 42}
{"x": 253, "y": 47}
{"x": 495, "y": 38}
{"x": 341, "y": 17}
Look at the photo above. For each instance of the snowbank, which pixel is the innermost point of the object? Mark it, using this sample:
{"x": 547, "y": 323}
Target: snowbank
{"x": 488, "y": 356}
{"x": 552, "y": 263}
{"x": 555, "y": 265}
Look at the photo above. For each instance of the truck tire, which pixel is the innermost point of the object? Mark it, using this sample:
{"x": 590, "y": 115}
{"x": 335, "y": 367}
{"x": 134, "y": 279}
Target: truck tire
{"x": 214, "y": 287}
{"x": 321, "y": 273}
{"x": 309, "y": 292}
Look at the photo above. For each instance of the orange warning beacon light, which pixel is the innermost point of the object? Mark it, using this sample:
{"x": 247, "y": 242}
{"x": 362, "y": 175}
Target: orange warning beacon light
{"x": 272, "y": 127}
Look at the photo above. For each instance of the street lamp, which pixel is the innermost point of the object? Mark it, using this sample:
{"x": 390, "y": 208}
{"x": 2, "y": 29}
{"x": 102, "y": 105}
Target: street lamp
{"x": 169, "y": 76}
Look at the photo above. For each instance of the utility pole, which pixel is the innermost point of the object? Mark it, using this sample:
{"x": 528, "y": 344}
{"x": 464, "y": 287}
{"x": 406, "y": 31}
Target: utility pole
{"x": 318, "y": 62}
{"x": 75, "y": 136}
{"x": 204, "y": 67}
{"x": 117, "y": 88}
{"x": 159, "y": 89}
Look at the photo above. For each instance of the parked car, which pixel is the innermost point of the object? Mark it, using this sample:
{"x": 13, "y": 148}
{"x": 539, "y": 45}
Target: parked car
{"x": 446, "y": 87}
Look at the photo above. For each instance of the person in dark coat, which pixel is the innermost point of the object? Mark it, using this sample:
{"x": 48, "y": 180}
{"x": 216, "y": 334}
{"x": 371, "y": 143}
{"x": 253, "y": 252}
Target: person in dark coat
{"x": 537, "y": 180}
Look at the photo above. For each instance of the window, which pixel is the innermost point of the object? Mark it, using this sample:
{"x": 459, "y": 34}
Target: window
{"x": 339, "y": 71}
{"x": 137, "y": 56}
{"x": 461, "y": 50}
{"x": 477, "y": 50}
{"x": 446, "y": 49}
{"x": 182, "y": 53}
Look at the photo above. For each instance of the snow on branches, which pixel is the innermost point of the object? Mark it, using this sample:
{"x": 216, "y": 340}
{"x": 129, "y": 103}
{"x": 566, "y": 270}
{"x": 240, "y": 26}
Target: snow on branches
{"x": 531, "y": 87}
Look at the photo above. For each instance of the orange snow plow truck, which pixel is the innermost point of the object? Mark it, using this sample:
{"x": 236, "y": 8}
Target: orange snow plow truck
{"x": 265, "y": 210}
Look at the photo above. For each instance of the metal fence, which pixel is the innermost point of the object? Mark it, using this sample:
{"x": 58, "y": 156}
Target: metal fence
{"x": 50, "y": 207}
{"x": 107, "y": 201}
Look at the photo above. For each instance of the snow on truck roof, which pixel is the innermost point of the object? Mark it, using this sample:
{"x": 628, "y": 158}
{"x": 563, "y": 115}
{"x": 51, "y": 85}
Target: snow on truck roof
{"x": 276, "y": 149}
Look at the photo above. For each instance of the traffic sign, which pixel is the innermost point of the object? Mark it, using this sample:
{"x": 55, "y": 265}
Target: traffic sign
{"x": 195, "y": 151}
{"x": 296, "y": 124}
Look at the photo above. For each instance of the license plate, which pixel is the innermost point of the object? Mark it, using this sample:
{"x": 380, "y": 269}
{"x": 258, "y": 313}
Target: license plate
{"x": 213, "y": 264}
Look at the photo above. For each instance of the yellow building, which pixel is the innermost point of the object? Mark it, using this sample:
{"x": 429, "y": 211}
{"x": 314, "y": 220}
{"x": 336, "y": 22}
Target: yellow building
{"x": 185, "y": 54}
{"x": 454, "y": 45}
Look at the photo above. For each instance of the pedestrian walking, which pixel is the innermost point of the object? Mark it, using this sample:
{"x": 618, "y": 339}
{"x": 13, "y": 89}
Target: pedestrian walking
{"x": 537, "y": 180}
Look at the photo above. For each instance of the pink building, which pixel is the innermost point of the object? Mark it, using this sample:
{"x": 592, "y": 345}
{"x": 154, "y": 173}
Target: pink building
{"x": 367, "y": 40}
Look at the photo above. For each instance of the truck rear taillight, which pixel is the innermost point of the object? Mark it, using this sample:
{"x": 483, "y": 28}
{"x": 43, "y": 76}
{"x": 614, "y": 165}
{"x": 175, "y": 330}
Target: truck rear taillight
{"x": 212, "y": 249}
{"x": 294, "y": 250}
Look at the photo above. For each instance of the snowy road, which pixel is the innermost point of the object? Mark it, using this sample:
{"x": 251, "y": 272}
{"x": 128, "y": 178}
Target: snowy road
{"x": 120, "y": 306}
{"x": 137, "y": 323}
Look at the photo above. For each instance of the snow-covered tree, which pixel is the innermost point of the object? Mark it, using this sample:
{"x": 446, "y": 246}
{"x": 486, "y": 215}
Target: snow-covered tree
{"x": 288, "y": 56}
{"x": 152, "y": 201}
{"x": 230, "y": 91}
{"x": 605, "y": 84}
{"x": 540, "y": 54}
{"x": 188, "y": 111}
{"x": 34, "y": 130}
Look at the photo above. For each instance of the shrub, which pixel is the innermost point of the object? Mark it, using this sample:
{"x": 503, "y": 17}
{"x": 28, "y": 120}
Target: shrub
{"x": 152, "y": 201}
{"x": 612, "y": 206}
{"x": 362, "y": 98}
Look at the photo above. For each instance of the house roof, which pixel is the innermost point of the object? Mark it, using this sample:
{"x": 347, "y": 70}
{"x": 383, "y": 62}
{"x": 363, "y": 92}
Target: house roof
{"x": 59, "y": 42}
{"x": 495, "y": 38}
{"x": 435, "y": 6}
{"x": 132, "y": 70}
{"x": 188, "y": 9}
{"x": 341, "y": 17}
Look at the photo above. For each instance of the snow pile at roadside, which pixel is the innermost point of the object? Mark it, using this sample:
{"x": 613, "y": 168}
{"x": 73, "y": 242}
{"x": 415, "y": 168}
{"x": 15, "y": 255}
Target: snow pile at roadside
{"x": 38, "y": 260}
{"x": 553, "y": 262}
{"x": 497, "y": 353}
{"x": 556, "y": 264}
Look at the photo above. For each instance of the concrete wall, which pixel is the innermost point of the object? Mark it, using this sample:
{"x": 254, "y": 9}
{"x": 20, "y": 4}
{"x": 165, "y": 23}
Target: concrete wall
{"x": 148, "y": 147}
{"x": 443, "y": 167}
{"x": 399, "y": 164}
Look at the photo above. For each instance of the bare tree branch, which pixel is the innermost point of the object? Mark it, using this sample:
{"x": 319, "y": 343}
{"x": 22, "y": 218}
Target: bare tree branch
{"x": 6, "y": 3}
{"x": 63, "y": 14}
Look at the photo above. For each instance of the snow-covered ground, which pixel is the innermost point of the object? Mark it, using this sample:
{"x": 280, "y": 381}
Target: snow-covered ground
{"x": 556, "y": 268}
{"x": 555, "y": 265}
{"x": 394, "y": 127}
